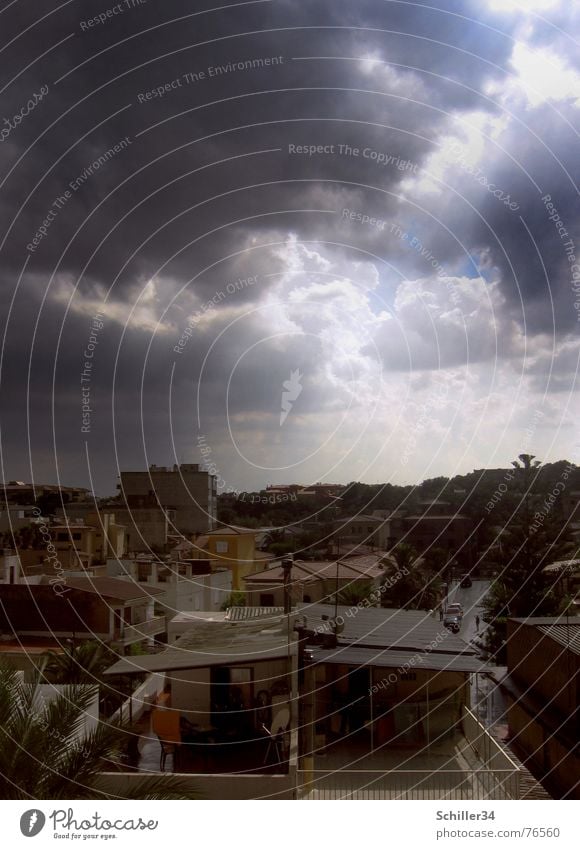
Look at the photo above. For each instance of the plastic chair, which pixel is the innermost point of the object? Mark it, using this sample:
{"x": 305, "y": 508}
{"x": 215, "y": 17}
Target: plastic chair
{"x": 166, "y": 724}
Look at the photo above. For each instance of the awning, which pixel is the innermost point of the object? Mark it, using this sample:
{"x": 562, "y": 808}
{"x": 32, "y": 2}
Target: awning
{"x": 393, "y": 659}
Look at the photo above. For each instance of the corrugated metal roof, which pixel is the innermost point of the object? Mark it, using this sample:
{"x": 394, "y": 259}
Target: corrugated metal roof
{"x": 386, "y": 628}
{"x": 389, "y": 659}
{"x": 564, "y": 635}
{"x": 213, "y": 644}
{"x": 562, "y": 629}
{"x": 242, "y": 614}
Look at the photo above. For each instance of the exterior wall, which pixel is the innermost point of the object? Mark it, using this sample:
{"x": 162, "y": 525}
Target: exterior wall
{"x": 312, "y": 592}
{"x": 182, "y": 591}
{"x": 17, "y": 516}
{"x": 548, "y": 675}
{"x": 534, "y": 660}
{"x": 367, "y": 531}
{"x": 39, "y": 610}
{"x": 146, "y": 528}
{"x": 553, "y": 763}
{"x": 191, "y": 492}
{"x": 239, "y": 555}
{"x": 191, "y": 691}
{"x": 217, "y": 787}
{"x": 10, "y": 570}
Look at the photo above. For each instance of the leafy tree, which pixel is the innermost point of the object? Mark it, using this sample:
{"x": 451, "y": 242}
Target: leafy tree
{"x": 42, "y": 755}
{"x": 235, "y": 599}
{"x": 525, "y": 547}
{"x": 412, "y": 582}
{"x": 353, "y": 594}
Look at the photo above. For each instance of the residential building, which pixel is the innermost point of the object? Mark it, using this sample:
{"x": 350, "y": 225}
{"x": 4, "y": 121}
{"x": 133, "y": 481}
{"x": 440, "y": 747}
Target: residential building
{"x": 182, "y": 586}
{"x": 14, "y": 517}
{"x": 91, "y": 542}
{"x": 366, "y": 529}
{"x": 368, "y": 704}
{"x": 543, "y": 687}
{"x": 189, "y": 491}
{"x": 313, "y": 581}
{"x": 228, "y": 548}
{"x": 18, "y": 492}
{"x": 108, "y": 609}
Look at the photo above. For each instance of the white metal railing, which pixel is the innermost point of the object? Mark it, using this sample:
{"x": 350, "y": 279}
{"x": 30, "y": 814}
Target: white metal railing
{"x": 141, "y": 699}
{"x": 405, "y": 784}
{"x": 488, "y": 750}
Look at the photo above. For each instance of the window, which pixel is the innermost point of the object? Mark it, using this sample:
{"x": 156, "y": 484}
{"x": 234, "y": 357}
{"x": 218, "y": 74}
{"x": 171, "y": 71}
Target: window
{"x": 408, "y": 676}
{"x": 76, "y": 536}
{"x": 61, "y": 537}
{"x": 266, "y": 599}
{"x": 221, "y": 547}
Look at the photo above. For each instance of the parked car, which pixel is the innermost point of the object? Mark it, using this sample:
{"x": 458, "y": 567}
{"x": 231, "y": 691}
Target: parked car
{"x": 452, "y": 622}
{"x": 465, "y": 582}
{"x": 454, "y": 609}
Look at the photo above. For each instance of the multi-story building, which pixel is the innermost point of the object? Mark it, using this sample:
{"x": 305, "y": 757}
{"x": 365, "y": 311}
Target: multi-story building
{"x": 189, "y": 491}
{"x": 19, "y": 492}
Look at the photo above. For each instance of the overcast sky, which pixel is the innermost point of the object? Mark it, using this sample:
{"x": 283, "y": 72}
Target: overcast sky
{"x": 337, "y": 238}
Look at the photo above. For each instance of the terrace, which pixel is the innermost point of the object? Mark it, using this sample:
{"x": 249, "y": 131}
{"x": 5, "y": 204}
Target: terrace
{"x": 226, "y": 705}
{"x": 466, "y": 764}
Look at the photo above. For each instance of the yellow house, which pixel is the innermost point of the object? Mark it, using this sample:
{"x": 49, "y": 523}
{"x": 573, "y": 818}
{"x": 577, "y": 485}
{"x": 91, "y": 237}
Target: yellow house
{"x": 90, "y": 542}
{"x": 228, "y": 548}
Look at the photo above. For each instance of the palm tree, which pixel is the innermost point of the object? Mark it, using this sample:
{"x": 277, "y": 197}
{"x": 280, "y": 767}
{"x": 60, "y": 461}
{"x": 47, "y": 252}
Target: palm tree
{"x": 43, "y": 756}
{"x": 412, "y": 582}
{"x": 81, "y": 664}
{"x": 353, "y": 594}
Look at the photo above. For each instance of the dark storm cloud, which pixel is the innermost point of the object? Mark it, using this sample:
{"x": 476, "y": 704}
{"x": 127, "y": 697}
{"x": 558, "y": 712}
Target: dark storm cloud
{"x": 163, "y": 204}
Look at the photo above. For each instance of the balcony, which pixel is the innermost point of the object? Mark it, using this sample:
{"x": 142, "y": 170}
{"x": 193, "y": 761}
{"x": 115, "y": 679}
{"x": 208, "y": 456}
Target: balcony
{"x": 465, "y": 764}
{"x": 143, "y": 630}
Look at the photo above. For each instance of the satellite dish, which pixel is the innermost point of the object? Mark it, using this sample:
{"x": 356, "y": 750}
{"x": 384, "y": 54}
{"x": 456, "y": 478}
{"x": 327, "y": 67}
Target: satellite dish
{"x": 280, "y": 721}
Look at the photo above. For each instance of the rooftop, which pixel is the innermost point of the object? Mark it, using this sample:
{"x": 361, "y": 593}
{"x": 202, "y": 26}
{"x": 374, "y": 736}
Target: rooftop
{"x": 117, "y": 589}
{"x": 215, "y": 643}
{"x": 563, "y": 630}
